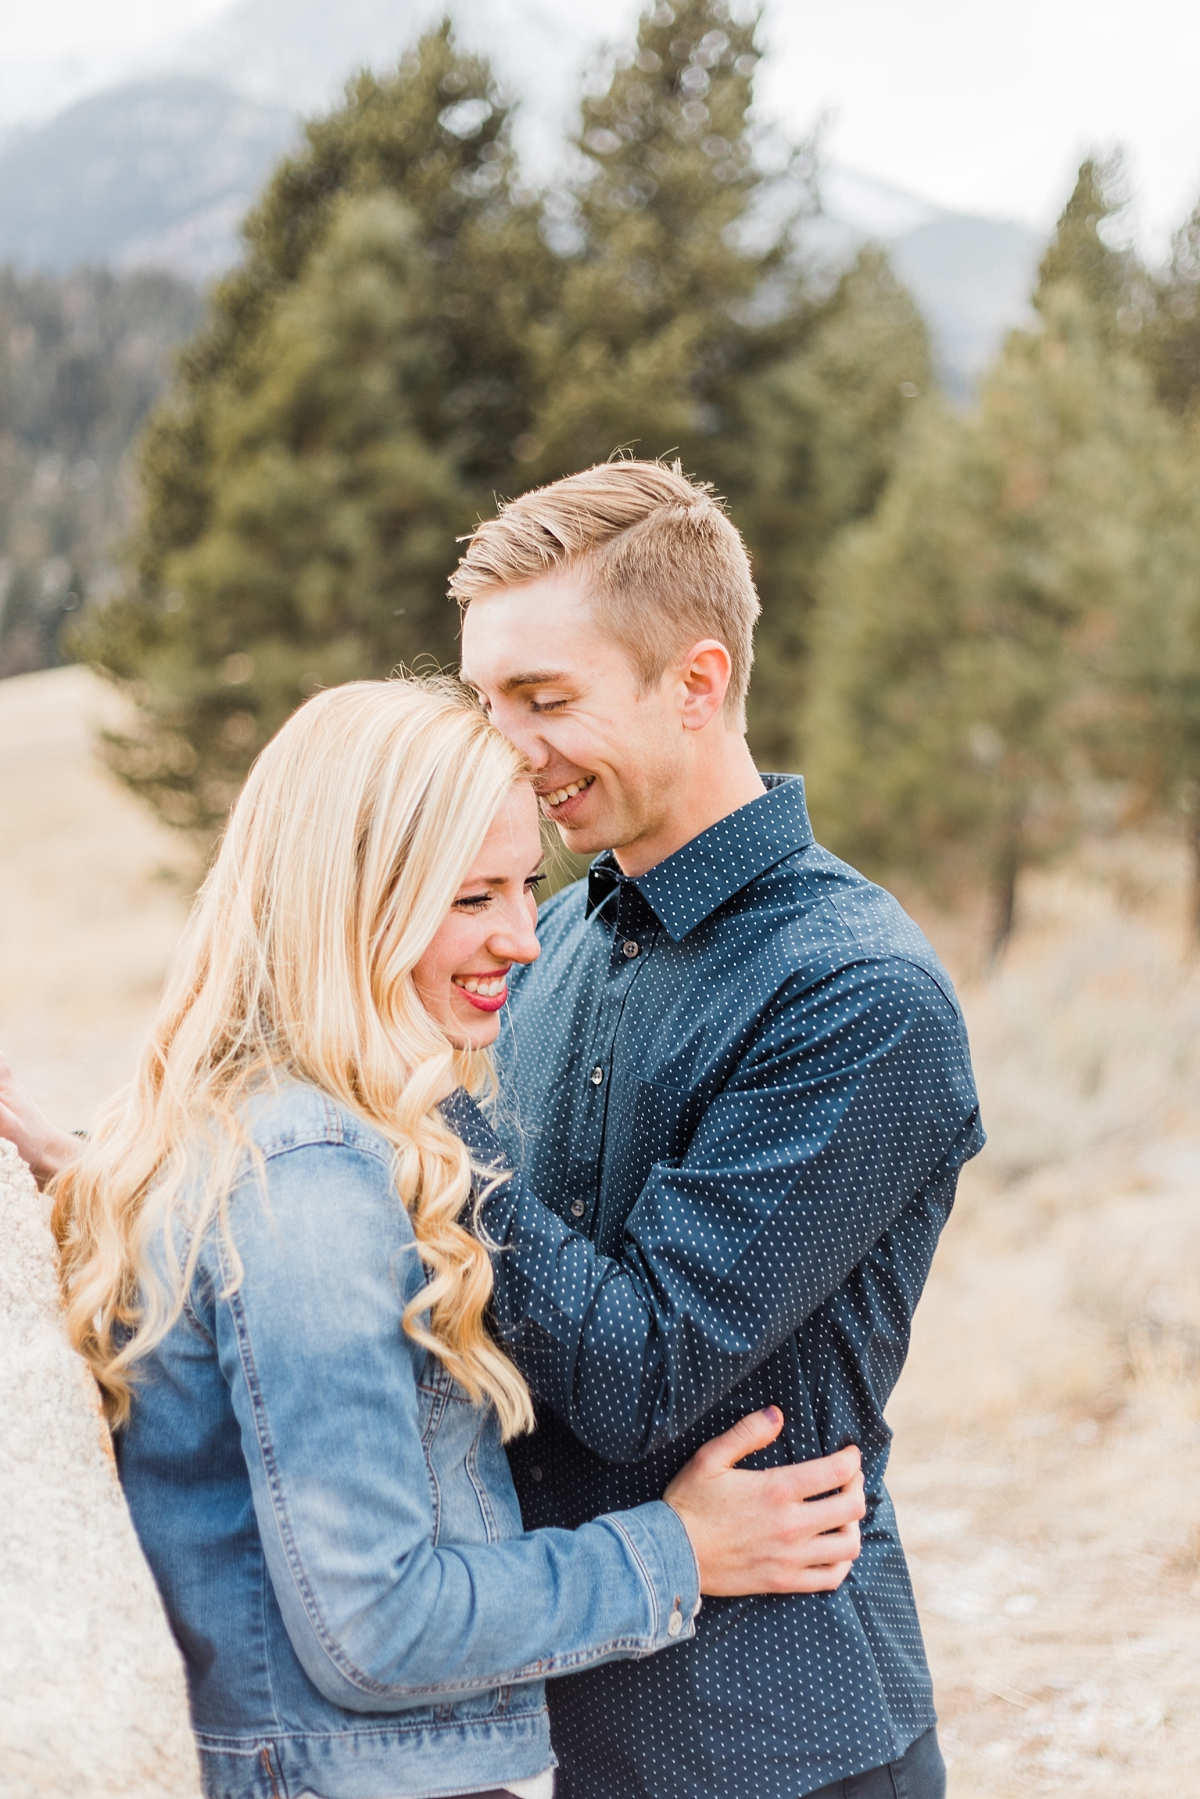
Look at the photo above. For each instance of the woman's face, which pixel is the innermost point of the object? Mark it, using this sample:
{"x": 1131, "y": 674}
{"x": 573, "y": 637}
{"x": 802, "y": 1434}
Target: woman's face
{"x": 461, "y": 978}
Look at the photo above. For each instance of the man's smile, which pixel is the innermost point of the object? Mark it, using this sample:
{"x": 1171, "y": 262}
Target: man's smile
{"x": 559, "y": 796}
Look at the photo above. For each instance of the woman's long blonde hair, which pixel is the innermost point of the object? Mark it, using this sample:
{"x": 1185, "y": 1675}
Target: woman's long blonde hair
{"x": 342, "y": 857}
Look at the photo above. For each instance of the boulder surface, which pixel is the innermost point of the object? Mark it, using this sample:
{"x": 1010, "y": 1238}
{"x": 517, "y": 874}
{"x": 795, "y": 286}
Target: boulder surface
{"x": 92, "y": 1694}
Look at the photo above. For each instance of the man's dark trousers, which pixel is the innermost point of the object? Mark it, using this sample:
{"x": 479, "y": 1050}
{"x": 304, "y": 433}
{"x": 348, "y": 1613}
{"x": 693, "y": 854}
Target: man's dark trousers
{"x": 920, "y": 1773}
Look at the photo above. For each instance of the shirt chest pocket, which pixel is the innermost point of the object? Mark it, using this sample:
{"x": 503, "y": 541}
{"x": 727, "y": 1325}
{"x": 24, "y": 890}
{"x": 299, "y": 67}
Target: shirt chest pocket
{"x": 649, "y": 1125}
{"x": 473, "y": 1496}
{"x": 661, "y": 1120}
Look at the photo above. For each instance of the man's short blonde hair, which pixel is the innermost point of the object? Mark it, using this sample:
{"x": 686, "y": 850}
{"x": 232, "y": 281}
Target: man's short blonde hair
{"x": 661, "y": 559}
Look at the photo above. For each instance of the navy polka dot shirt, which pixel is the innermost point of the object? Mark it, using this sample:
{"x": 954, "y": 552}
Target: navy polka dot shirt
{"x": 738, "y": 1091}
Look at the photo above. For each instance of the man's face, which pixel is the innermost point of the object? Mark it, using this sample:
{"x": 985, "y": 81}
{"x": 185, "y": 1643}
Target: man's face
{"x": 604, "y": 753}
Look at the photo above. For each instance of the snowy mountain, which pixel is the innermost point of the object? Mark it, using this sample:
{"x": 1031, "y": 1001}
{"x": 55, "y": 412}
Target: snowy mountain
{"x": 971, "y": 276}
{"x": 156, "y": 173}
{"x": 158, "y": 170}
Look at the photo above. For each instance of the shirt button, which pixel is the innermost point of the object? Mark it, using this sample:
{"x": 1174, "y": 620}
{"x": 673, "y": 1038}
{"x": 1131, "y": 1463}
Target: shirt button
{"x": 674, "y": 1624}
{"x": 630, "y": 947}
{"x": 577, "y": 1208}
{"x": 535, "y": 1474}
{"x": 597, "y": 1075}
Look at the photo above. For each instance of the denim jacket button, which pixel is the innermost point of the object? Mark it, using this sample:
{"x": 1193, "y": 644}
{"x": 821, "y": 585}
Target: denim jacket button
{"x": 674, "y": 1624}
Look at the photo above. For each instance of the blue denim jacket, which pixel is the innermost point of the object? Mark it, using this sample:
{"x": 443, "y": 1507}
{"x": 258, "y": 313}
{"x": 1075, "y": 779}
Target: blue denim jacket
{"x": 332, "y": 1524}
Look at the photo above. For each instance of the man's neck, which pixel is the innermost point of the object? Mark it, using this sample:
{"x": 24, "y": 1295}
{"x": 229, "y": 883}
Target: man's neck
{"x": 723, "y": 784}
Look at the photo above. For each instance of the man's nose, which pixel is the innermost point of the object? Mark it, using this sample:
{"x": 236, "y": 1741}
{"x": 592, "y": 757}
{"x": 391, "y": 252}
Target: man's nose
{"x": 522, "y": 731}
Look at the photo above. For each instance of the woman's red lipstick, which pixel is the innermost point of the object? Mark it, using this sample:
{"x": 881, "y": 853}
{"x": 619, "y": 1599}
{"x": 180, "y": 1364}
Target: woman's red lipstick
{"x": 484, "y": 1002}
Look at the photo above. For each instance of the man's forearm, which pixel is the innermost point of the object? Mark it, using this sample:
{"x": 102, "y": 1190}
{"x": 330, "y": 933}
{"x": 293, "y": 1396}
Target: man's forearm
{"x": 632, "y": 1349}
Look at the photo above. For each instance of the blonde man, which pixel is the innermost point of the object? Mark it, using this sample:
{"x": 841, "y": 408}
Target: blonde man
{"x": 744, "y": 1096}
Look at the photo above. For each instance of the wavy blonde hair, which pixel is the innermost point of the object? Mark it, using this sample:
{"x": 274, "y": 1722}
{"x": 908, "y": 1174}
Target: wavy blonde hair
{"x": 355, "y": 830}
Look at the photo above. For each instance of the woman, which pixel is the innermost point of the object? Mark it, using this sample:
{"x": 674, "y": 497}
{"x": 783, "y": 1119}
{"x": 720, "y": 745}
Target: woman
{"x": 265, "y": 1262}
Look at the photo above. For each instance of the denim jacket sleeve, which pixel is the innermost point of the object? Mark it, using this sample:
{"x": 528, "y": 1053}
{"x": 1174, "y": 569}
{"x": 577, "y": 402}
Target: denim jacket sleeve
{"x": 729, "y": 1250}
{"x": 324, "y": 1386}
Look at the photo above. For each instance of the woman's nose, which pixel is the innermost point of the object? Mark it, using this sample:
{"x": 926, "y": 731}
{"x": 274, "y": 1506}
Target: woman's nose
{"x": 517, "y": 940}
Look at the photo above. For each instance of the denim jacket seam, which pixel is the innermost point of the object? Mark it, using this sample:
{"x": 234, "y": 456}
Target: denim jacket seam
{"x": 471, "y": 1464}
{"x": 231, "y": 1744}
{"x": 264, "y": 1582}
{"x": 189, "y": 1307}
{"x": 655, "y": 1611}
{"x": 430, "y": 1430}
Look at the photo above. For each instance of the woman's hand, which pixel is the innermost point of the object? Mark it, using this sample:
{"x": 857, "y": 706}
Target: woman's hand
{"x": 38, "y": 1142}
{"x": 768, "y": 1532}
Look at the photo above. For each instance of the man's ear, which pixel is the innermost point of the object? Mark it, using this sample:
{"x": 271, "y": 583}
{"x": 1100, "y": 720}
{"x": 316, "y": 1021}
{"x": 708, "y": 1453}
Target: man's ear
{"x": 704, "y": 679}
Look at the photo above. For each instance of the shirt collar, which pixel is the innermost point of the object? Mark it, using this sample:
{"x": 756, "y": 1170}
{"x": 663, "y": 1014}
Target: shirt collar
{"x": 689, "y": 886}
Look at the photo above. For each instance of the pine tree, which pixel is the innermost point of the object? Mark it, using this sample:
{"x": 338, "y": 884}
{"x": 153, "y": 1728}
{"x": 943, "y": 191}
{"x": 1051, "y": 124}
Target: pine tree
{"x": 346, "y": 413}
{"x": 1156, "y": 741}
{"x": 680, "y": 331}
{"x": 1173, "y": 332}
{"x": 1107, "y": 278}
{"x": 813, "y": 441}
{"x": 965, "y": 666}
{"x": 411, "y": 337}
{"x": 647, "y": 337}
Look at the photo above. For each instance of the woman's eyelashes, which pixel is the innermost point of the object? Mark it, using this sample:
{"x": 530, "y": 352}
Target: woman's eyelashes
{"x": 475, "y": 902}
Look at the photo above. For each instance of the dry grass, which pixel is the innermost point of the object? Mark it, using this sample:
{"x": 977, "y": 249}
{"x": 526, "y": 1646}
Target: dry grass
{"x": 1047, "y": 1467}
{"x": 1047, "y": 1464}
{"x": 92, "y": 895}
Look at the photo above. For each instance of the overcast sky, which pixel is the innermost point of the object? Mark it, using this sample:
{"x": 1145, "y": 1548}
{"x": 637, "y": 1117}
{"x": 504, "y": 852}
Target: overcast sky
{"x": 981, "y": 107}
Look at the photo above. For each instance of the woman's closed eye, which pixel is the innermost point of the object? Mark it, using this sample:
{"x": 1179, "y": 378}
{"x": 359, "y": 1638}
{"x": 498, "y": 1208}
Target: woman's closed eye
{"x": 475, "y": 902}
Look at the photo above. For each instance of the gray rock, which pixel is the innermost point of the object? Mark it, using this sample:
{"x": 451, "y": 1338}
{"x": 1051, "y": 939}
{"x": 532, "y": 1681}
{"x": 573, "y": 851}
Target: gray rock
{"x": 92, "y": 1695}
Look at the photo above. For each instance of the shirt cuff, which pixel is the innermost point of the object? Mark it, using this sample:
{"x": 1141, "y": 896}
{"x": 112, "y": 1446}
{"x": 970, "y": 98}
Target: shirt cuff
{"x": 487, "y": 1152}
{"x": 663, "y": 1552}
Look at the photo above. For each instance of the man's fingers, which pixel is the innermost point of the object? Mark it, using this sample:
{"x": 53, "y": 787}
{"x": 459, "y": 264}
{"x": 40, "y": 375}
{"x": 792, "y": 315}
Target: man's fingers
{"x": 828, "y": 1474}
{"x": 753, "y": 1432}
{"x": 814, "y": 1517}
{"x": 817, "y": 1580}
{"x": 841, "y": 1545}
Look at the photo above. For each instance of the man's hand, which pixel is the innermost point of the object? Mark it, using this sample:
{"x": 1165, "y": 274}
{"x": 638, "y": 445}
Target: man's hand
{"x": 38, "y": 1142}
{"x": 767, "y": 1532}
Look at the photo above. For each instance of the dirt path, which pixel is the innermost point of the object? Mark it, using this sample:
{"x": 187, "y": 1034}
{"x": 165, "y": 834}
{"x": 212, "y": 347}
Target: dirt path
{"x": 1058, "y": 1580}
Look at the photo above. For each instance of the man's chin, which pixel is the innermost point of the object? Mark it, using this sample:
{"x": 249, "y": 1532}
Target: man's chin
{"x": 583, "y": 839}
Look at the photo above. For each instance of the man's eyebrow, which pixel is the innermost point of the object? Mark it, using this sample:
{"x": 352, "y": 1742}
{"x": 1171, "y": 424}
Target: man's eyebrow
{"x": 540, "y": 677}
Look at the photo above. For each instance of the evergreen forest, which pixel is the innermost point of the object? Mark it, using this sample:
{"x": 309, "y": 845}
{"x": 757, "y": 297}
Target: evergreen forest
{"x": 981, "y": 626}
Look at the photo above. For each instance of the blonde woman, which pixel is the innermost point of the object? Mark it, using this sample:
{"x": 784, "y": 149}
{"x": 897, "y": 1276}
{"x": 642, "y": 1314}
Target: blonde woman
{"x": 268, "y": 1262}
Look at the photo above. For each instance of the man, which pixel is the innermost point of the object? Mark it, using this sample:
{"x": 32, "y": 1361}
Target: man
{"x": 744, "y": 1094}
{"x": 739, "y": 1080}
